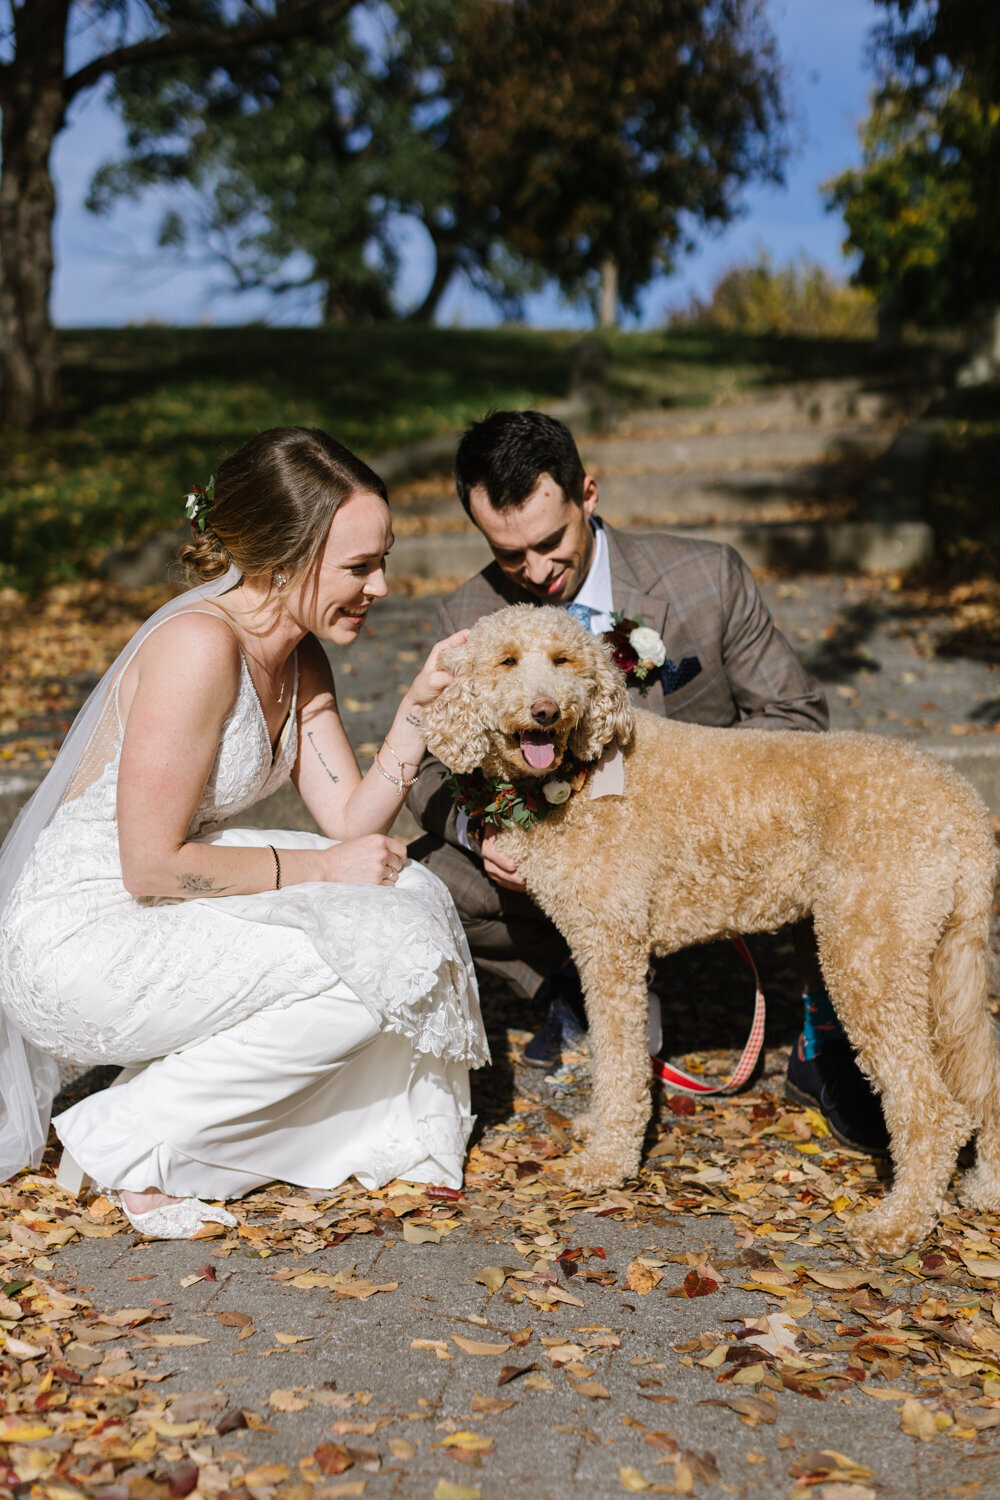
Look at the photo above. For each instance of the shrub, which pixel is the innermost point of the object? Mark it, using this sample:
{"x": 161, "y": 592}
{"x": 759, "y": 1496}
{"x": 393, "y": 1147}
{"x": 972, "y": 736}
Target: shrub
{"x": 800, "y": 299}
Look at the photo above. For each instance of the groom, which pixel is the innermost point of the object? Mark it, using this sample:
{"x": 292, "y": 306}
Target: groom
{"x": 521, "y": 480}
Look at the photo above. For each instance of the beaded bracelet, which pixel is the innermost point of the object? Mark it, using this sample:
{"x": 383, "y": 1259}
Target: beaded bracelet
{"x": 402, "y": 764}
{"x": 277, "y": 867}
{"x": 398, "y": 781}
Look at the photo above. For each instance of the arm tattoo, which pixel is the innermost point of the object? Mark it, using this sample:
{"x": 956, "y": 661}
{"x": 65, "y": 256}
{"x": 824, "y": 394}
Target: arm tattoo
{"x": 201, "y": 885}
{"x": 414, "y": 719}
{"x": 319, "y": 756}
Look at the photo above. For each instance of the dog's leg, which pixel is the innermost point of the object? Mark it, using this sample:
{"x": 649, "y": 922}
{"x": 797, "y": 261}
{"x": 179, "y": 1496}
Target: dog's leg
{"x": 615, "y": 988}
{"x": 927, "y": 1128}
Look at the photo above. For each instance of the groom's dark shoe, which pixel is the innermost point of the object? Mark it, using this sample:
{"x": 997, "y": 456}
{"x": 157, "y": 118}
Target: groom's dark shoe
{"x": 565, "y": 1022}
{"x": 833, "y": 1083}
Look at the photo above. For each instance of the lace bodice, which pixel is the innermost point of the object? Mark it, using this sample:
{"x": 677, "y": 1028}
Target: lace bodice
{"x": 243, "y": 772}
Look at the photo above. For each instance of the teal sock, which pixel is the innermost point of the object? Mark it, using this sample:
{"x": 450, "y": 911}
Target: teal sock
{"x": 819, "y": 1022}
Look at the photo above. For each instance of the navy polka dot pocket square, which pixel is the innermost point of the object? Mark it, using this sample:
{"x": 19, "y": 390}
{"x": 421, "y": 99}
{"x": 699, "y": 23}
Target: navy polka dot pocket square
{"x": 675, "y": 677}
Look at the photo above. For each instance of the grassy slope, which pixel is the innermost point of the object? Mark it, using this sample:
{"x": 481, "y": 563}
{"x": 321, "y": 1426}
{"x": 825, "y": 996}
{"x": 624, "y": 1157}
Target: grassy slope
{"x": 149, "y": 411}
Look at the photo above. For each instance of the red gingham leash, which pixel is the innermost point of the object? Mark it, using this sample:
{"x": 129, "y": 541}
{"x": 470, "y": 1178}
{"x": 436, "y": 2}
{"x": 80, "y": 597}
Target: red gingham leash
{"x": 751, "y": 1052}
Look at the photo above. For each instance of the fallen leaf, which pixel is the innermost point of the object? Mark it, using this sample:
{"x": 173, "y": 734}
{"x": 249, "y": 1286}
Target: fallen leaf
{"x": 475, "y": 1346}
{"x": 420, "y": 1234}
{"x": 917, "y": 1421}
{"x": 401, "y": 1449}
{"x": 445, "y": 1490}
{"x": 633, "y": 1480}
{"x": 592, "y": 1389}
{"x": 295, "y": 1338}
{"x": 332, "y": 1458}
{"x": 469, "y": 1442}
{"x": 643, "y": 1279}
{"x": 234, "y": 1319}
{"x": 492, "y": 1277}
{"x": 511, "y": 1372}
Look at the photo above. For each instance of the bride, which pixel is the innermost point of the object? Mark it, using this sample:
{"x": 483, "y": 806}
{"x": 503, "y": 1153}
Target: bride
{"x": 285, "y": 1006}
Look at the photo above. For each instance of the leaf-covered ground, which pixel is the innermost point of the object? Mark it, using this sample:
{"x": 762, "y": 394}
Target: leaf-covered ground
{"x": 98, "y": 1402}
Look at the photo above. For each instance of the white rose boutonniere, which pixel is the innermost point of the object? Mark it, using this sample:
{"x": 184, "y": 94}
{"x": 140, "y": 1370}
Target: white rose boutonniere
{"x": 648, "y": 646}
{"x": 556, "y": 791}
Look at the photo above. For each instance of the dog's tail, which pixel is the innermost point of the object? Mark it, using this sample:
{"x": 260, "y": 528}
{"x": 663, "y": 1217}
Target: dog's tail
{"x": 966, "y": 1041}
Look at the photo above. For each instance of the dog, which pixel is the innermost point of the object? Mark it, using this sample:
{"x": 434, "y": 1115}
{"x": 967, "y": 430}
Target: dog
{"x": 719, "y": 832}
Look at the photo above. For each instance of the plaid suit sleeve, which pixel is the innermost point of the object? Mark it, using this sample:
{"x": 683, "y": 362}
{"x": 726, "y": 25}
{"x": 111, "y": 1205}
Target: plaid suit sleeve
{"x": 429, "y": 800}
{"x": 769, "y": 684}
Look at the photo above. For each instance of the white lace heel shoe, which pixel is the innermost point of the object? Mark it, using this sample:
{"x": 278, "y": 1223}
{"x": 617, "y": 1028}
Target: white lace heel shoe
{"x": 177, "y": 1221}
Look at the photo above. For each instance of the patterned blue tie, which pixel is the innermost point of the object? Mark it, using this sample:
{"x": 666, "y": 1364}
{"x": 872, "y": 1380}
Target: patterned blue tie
{"x": 581, "y": 612}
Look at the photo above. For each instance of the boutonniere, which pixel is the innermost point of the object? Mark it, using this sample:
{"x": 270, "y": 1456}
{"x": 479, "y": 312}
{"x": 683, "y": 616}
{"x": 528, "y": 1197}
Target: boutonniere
{"x": 636, "y": 650}
{"x": 517, "y": 804}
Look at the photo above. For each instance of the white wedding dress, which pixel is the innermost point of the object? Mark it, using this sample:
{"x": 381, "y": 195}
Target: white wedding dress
{"x": 301, "y": 1035}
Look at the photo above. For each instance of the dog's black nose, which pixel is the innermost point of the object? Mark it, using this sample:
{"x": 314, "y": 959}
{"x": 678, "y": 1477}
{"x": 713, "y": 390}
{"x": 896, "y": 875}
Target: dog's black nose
{"x": 544, "y": 711}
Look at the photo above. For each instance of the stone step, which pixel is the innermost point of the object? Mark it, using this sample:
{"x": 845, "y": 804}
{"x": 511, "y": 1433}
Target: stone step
{"x": 810, "y": 546}
{"x": 629, "y": 457}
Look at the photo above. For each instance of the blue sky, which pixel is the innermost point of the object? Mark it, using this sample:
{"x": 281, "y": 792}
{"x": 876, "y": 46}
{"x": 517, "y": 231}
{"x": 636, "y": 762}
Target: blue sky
{"x": 108, "y": 271}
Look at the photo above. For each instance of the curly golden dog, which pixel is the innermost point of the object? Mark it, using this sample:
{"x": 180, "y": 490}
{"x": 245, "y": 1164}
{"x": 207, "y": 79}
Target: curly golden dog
{"x": 723, "y": 831}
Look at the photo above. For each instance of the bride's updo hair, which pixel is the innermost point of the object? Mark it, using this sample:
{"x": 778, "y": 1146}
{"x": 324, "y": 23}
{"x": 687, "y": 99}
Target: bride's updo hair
{"x": 273, "y": 503}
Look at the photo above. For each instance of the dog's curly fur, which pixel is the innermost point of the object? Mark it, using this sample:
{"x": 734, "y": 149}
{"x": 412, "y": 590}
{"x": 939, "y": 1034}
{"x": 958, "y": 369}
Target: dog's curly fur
{"x": 725, "y": 831}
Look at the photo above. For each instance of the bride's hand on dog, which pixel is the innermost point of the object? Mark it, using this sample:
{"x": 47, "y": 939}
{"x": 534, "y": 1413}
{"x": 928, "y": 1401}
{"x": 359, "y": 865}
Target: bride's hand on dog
{"x": 501, "y": 869}
{"x": 433, "y": 678}
{"x": 374, "y": 859}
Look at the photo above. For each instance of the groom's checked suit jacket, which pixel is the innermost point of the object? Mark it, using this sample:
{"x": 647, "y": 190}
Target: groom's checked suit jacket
{"x": 727, "y": 665}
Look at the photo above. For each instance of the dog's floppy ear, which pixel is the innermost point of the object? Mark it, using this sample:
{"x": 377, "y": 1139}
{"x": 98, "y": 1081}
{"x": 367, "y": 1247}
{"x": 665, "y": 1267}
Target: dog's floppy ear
{"x": 608, "y": 714}
{"x": 453, "y": 723}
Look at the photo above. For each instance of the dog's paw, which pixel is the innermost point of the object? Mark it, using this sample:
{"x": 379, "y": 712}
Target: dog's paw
{"x": 593, "y": 1170}
{"x": 980, "y": 1189}
{"x": 582, "y": 1125}
{"x": 888, "y": 1231}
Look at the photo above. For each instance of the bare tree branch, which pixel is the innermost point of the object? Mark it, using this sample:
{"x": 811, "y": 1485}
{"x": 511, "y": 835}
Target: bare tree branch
{"x": 291, "y": 20}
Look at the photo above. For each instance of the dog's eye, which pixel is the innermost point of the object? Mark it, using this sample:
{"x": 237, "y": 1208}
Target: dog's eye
{"x": 509, "y": 661}
{"x": 560, "y": 661}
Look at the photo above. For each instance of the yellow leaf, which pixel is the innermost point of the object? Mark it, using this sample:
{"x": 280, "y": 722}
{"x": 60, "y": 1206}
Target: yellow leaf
{"x": 295, "y": 1338}
{"x": 287, "y": 1401}
{"x": 917, "y": 1421}
{"x": 401, "y": 1449}
{"x": 420, "y": 1234}
{"x": 474, "y": 1346}
{"x": 642, "y": 1279}
{"x": 445, "y": 1490}
{"x": 633, "y": 1480}
{"x": 593, "y": 1389}
{"x": 30, "y": 1432}
{"x": 177, "y": 1340}
{"x": 469, "y": 1442}
{"x": 491, "y": 1277}
{"x": 175, "y": 1429}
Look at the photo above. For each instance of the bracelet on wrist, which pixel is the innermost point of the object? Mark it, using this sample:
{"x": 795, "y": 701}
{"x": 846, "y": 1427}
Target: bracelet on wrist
{"x": 399, "y": 782}
{"x": 401, "y": 763}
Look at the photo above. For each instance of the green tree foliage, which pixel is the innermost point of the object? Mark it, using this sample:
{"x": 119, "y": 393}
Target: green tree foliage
{"x": 591, "y": 133}
{"x": 39, "y": 80}
{"x": 294, "y": 173}
{"x": 801, "y": 299}
{"x": 923, "y": 209}
{"x": 537, "y": 138}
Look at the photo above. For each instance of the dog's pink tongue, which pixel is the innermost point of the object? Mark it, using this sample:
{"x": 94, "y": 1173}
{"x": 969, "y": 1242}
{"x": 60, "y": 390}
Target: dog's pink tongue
{"x": 539, "y": 753}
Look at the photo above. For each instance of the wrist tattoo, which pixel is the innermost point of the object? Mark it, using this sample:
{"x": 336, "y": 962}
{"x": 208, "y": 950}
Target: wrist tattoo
{"x": 414, "y": 720}
{"x": 201, "y": 885}
{"x": 319, "y": 756}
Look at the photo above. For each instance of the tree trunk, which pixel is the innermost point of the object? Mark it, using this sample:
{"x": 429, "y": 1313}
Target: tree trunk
{"x": 31, "y": 98}
{"x": 608, "y": 311}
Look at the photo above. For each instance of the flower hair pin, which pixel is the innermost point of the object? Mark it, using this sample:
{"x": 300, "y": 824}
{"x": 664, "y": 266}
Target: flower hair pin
{"x": 198, "y": 503}
{"x": 636, "y": 650}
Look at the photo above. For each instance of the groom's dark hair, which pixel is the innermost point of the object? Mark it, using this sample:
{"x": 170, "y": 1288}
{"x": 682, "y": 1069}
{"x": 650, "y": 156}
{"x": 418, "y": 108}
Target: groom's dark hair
{"x": 508, "y": 452}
